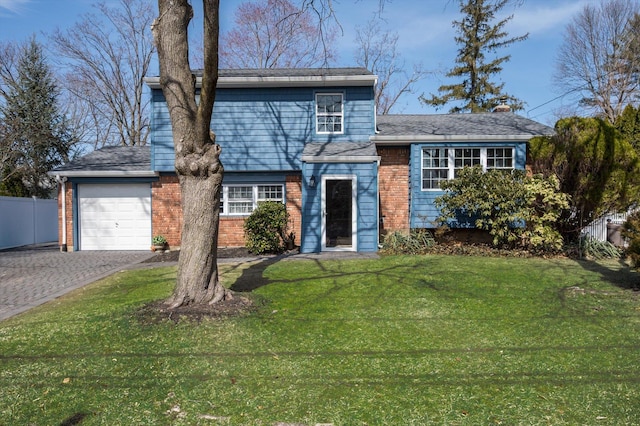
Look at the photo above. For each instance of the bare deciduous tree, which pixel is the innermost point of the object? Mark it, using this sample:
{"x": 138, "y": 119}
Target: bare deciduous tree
{"x": 594, "y": 57}
{"x": 106, "y": 57}
{"x": 197, "y": 156}
{"x": 377, "y": 51}
{"x": 276, "y": 34}
{"x": 9, "y": 53}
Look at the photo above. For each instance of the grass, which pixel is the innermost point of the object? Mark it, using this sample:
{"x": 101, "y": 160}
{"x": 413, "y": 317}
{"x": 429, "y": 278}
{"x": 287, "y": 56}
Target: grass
{"x": 441, "y": 340}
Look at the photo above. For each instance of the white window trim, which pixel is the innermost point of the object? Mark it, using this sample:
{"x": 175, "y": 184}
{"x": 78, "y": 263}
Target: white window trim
{"x": 224, "y": 197}
{"x": 451, "y": 162}
{"x": 332, "y": 114}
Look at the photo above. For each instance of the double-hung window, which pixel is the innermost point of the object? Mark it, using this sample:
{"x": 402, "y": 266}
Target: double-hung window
{"x": 439, "y": 163}
{"x": 329, "y": 113}
{"x": 435, "y": 167}
{"x": 243, "y": 199}
{"x": 240, "y": 199}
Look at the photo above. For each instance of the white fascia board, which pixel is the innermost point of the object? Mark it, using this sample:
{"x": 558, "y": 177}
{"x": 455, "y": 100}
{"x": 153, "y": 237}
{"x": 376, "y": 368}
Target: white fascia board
{"x": 404, "y": 139}
{"x": 152, "y": 82}
{"x": 106, "y": 173}
{"x": 339, "y": 159}
{"x": 305, "y": 81}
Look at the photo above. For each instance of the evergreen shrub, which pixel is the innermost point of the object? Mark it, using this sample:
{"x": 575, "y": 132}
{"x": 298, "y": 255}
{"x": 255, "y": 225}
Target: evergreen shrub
{"x": 631, "y": 231}
{"x": 265, "y": 229}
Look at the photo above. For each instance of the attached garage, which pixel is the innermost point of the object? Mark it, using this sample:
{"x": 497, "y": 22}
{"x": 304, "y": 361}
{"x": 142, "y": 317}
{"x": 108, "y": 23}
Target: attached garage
{"x": 114, "y": 216}
{"x": 105, "y": 200}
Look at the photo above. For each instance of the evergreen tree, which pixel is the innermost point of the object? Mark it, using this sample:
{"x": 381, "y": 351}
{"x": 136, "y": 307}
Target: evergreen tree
{"x": 596, "y": 166}
{"x": 628, "y": 123}
{"x": 477, "y": 37}
{"x": 35, "y": 136}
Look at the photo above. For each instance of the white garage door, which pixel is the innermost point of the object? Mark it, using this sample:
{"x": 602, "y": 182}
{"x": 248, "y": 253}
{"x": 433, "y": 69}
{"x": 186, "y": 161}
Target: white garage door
{"x": 114, "y": 216}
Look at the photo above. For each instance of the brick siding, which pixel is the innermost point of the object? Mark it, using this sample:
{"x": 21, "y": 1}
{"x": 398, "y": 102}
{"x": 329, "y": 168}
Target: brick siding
{"x": 167, "y": 213}
{"x": 293, "y": 191}
{"x": 393, "y": 178}
{"x": 68, "y": 188}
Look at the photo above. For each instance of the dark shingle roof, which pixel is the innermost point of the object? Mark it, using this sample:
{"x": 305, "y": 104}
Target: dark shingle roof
{"x": 111, "y": 159}
{"x": 483, "y": 124}
{"x": 340, "y": 148}
{"x": 339, "y": 151}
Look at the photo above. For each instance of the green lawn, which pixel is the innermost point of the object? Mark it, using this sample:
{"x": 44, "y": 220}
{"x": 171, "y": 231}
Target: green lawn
{"x": 439, "y": 340}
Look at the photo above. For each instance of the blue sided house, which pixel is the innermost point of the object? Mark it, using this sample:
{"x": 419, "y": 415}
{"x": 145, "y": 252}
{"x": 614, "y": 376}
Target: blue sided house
{"x": 308, "y": 138}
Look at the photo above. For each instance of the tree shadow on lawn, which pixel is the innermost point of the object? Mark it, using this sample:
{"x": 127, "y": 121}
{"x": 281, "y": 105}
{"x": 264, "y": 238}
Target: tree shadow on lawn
{"x": 241, "y": 304}
{"x": 621, "y": 276}
{"x": 252, "y": 277}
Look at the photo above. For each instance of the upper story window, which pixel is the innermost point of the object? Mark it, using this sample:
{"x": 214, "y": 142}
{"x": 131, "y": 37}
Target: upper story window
{"x": 440, "y": 164}
{"x": 329, "y": 113}
{"x": 243, "y": 199}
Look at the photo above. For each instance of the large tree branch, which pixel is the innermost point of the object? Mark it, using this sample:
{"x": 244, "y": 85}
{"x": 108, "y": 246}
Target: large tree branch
{"x": 210, "y": 74}
{"x": 176, "y": 78}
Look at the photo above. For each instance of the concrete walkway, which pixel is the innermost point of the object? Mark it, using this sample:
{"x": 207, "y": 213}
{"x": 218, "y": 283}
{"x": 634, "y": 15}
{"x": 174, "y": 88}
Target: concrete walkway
{"x": 33, "y": 275}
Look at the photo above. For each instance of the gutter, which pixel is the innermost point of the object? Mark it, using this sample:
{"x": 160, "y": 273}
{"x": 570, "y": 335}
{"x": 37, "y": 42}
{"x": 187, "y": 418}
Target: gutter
{"x": 340, "y": 158}
{"x": 404, "y": 139}
{"x": 106, "y": 173}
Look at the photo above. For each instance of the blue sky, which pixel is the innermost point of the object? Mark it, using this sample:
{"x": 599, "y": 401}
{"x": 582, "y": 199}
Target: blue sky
{"x": 426, "y": 36}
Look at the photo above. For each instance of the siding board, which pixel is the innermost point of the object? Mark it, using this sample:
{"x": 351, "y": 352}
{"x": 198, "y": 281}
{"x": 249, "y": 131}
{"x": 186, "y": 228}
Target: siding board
{"x": 272, "y": 124}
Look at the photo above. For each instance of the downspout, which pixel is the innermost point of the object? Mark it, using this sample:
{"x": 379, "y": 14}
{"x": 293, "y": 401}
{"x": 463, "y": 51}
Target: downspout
{"x": 61, "y": 181}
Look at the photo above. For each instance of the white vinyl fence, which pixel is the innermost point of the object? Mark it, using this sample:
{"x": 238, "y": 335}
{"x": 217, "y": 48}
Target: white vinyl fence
{"x": 25, "y": 221}
{"x": 607, "y": 228}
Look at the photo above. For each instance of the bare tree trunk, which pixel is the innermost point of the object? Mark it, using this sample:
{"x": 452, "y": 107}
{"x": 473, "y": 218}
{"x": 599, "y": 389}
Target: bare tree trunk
{"x": 197, "y": 269}
{"x": 197, "y": 156}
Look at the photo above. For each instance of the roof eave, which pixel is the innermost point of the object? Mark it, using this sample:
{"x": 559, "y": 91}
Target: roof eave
{"x": 103, "y": 173}
{"x": 403, "y": 139}
{"x": 284, "y": 81}
{"x": 340, "y": 158}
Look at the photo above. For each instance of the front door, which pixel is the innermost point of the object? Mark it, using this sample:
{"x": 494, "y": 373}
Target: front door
{"x": 339, "y": 213}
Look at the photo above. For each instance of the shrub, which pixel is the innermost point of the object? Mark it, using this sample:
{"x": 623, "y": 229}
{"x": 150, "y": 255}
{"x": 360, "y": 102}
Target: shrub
{"x": 516, "y": 209}
{"x": 417, "y": 242}
{"x": 544, "y": 206}
{"x": 595, "y": 165}
{"x": 631, "y": 231}
{"x": 595, "y": 249}
{"x": 159, "y": 240}
{"x": 265, "y": 230}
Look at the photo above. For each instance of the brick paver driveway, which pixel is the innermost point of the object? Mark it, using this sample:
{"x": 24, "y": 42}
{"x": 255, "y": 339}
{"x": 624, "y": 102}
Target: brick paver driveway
{"x": 30, "y": 276}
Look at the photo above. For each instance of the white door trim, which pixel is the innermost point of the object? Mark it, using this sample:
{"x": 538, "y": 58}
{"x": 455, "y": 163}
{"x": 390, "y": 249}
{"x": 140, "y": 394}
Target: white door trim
{"x": 354, "y": 212}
